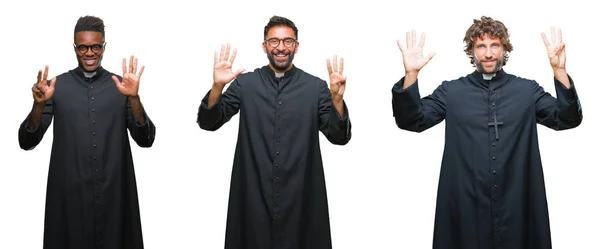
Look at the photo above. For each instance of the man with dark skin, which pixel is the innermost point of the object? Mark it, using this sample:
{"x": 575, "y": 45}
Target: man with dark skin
{"x": 91, "y": 199}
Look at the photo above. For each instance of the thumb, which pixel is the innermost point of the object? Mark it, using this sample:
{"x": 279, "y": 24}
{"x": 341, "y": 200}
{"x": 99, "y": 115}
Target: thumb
{"x": 53, "y": 82}
{"x": 238, "y": 72}
{"x": 116, "y": 80}
{"x": 430, "y": 56}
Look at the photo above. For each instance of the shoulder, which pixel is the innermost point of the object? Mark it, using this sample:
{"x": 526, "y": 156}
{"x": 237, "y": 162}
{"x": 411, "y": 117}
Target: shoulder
{"x": 304, "y": 76}
{"x": 248, "y": 77}
{"x": 523, "y": 81}
{"x": 109, "y": 74}
{"x": 455, "y": 82}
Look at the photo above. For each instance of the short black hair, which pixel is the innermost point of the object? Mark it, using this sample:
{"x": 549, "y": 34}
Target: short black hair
{"x": 280, "y": 21}
{"x": 89, "y": 23}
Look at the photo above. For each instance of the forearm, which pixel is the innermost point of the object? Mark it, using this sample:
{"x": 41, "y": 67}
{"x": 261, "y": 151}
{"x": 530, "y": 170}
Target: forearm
{"x": 32, "y": 129}
{"x": 409, "y": 79}
{"x": 214, "y": 95}
{"x": 35, "y": 116}
{"x": 413, "y": 113}
{"x": 338, "y": 127}
{"x": 338, "y": 104}
{"x": 137, "y": 109}
{"x": 562, "y": 76}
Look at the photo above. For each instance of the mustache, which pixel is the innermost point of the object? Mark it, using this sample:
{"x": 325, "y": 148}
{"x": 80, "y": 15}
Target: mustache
{"x": 280, "y": 52}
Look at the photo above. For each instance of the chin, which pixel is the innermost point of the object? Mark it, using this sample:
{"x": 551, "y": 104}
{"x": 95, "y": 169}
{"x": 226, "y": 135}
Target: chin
{"x": 89, "y": 68}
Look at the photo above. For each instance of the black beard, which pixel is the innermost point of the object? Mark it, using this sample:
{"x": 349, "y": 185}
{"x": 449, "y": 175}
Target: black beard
{"x": 276, "y": 66}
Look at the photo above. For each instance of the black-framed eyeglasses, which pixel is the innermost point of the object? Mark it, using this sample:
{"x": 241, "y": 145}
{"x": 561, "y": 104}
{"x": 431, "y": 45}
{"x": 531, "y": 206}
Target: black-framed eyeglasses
{"x": 274, "y": 42}
{"x": 82, "y": 48}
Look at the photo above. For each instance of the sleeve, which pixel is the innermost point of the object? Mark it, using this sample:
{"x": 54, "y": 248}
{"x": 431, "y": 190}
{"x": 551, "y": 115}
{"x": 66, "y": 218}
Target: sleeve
{"x": 560, "y": 113}
{"x": 414, "y": 113}
{"x": 228, "y": 104}
{"x": 142, "y": 134}
{"x": 336, "y": 129}
{"x": 30, "y": 138}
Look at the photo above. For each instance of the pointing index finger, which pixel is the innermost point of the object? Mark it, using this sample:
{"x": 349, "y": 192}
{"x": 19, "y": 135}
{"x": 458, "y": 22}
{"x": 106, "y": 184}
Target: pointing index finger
{"x": 329, "y": 66}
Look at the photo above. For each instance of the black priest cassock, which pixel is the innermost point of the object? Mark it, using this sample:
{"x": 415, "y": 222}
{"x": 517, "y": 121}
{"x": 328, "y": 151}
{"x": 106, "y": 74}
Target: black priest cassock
{"x": 92, "y": 199}
{"x": 491, "y": 191}
{"x": 277, "y": 194}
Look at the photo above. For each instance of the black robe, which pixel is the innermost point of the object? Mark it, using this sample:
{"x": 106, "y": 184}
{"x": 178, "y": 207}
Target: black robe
{"x": 91, "y": 199}
{"x": 491, "y": 191}
{"x": 277, "y": 193}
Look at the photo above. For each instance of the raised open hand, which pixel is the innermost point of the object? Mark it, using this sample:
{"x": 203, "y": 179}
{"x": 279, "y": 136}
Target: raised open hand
{"x": 412, "y": 55}
{"x": 337, "y": 80}
{"x": 222, "y": 73}
{"x": 131, "y": 78}
{"x": 556, "y": 49}
{"x": 41, "y": 91}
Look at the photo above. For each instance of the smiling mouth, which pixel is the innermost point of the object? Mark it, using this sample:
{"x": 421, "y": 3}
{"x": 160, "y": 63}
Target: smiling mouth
{"x": 89, "y": 62}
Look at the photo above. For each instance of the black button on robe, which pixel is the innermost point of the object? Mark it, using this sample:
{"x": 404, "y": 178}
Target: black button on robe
{"x": 92, "y": 197}
{"x": 491, "y": 191}
{"x": 277, "y": 194}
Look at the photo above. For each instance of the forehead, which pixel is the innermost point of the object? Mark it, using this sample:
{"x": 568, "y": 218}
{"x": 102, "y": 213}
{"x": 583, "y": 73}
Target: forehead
{"x": 88, "y": 37}
{"x": 487, "y": 39}
{"x": 280, "y": 32}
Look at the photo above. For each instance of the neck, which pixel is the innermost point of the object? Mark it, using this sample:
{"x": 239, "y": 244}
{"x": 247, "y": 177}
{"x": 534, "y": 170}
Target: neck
{"x": 280, "y": 72}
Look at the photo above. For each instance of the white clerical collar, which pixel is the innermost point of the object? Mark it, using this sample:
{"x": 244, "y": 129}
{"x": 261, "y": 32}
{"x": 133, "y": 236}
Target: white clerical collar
{"x": 89, "y": 75}
{"x": 279, "y": 75}
{"x": 488, "y": 76}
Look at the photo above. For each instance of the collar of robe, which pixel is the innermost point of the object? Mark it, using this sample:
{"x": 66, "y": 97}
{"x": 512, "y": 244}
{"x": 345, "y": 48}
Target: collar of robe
{"x": 99, "y": 72}
{"x": 495, "y": 82}
{"x": 267, "y": 69}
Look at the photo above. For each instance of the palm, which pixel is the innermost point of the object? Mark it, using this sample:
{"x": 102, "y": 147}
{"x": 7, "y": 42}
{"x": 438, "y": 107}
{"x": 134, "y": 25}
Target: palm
{"x": 46, "y": 93}
{"x": 556, "y": 49}
{"x": 222, "y": 73}
{"x": 41, "y": 91}
{"x": 337, "y": 81}
{"x": 412, "y": 54}
{"x": 130, "y": 84}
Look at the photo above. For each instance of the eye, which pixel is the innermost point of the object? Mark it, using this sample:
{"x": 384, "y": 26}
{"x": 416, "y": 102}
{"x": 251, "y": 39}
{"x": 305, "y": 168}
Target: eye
{"x": 288, "y": 41}
{"x": 82, "y": 48}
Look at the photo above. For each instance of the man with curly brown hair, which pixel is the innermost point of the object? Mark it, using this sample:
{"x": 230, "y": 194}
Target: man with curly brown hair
{"x": 491, "y": 191}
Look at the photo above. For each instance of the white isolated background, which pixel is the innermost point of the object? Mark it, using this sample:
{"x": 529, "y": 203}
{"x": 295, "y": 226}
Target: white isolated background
{"x": 381, "y": 186}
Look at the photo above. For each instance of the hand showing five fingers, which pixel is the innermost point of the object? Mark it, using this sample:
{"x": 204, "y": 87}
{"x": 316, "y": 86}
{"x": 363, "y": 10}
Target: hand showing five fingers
{"x": 223, "y": 73}
{"x": 337, "y": 80}
{"x": 556, "y": 49}
{"x": 131, "y": 78}
{"x": 412, "y": 55}
{"x": 41, "y": 91}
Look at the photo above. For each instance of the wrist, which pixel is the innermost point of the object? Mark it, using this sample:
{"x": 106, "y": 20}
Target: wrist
{"x": 337, "y": 99}
{"x": 558, "y": 70}
{"x": 218, "y": 87}
{"x": 411, "y": 73}
{"x": 39, "y": 104}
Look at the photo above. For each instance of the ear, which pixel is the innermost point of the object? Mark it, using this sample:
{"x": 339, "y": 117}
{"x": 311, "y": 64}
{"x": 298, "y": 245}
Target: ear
{"x": 296, "y": 48}
{"x": 264, "y": 46}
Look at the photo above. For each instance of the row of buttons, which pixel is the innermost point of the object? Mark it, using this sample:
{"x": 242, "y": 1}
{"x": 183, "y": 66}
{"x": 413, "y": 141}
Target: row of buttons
{"x": 98, "y": 206}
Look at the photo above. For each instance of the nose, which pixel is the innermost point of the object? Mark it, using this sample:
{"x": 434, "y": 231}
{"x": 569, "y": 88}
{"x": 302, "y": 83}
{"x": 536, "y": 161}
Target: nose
{"x": 280, "y": 45}
{"x": 89, "y": 52}
{"x": 488, "y": 52}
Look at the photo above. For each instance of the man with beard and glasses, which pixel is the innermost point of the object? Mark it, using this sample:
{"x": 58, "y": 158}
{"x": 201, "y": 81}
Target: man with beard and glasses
{"x": 92, "y": 197}
{"x": 491, "y": 191}
{"x": 277, "y": 194}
